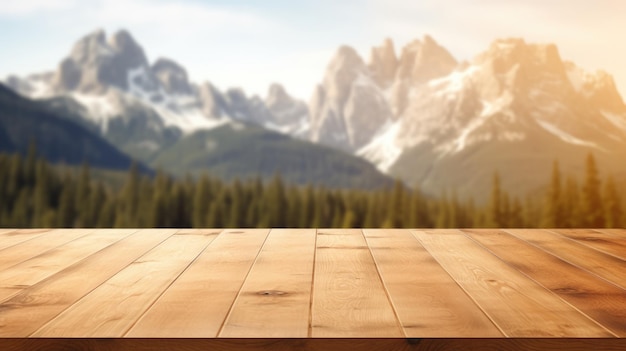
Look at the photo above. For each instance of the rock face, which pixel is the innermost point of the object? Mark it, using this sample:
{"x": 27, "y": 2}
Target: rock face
{"x": 143, "y": 108}
{"x": 383, "y": 63}
{"x": 349, "y": 107}
{"x": 173, "y": 77}
{"x": 512, "y": 109}
{"x": 424, "y": 60}
{"x": 95, "y": 64}
{"x": 438, "y": 123}
{"x": 420, "y": 115}
{"x": 290, "y": 115}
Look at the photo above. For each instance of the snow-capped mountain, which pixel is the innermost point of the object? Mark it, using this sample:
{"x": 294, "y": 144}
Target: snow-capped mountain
{"x": 112, "y": 78}
{"x": 348, "y": 108}
{"x": 441, "y": 124}
{"x": 421, "y": 115}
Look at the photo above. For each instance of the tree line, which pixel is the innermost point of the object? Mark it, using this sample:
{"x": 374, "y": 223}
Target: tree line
{"x": 35, "y": 194}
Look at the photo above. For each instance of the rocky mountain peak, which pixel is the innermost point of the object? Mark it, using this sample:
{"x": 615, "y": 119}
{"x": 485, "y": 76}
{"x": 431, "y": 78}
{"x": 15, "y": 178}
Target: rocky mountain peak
{"x": 504, "y": 54}
{"x": 383, "y": 63}
{"x": 288, "y": 113}
{"x": 95, "y": 65}
{"x": 277, "y": 96}
{"x": 172, "y": 76}
{"x": 602, "y": 92}
{"x": 129, "y": 53}
{"x": 350, "y": 106}
{"x": 342, "y": 71}
{"x": 424, "y": 60}
{"x": 90, "y": 48}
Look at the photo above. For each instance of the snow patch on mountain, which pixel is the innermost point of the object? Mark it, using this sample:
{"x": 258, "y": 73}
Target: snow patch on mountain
{"x": 384, "y": 149}
{"x": 454, "y": 82}
{"x": 618, "y": 120}
{"x": 100, "y": 108}
{"x": 564, "y": 135}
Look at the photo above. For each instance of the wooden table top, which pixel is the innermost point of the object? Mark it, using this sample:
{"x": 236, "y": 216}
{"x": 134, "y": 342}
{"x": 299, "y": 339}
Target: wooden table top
{"x": 308, "y": 283}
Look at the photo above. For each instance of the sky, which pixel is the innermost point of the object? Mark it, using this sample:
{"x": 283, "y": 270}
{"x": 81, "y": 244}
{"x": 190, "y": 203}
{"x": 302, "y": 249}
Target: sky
{"x": 251, "y": 44}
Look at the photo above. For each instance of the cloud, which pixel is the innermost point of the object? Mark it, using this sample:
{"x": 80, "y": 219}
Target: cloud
{"x": 29, "y": 7}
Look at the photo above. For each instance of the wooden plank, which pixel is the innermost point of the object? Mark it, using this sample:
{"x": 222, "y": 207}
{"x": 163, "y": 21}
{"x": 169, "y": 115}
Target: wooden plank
{"x": 197, "y": 303}
{"x": 15, "y": 237}
{"x": 428, "y": 301}
{"x": 364, "y": 344}
{"x": 275, "y": 299}
{"x": 597, "y": 298}
{"x": 606, "y": 266}
{"x": 30, "y": 309}
{"x": 349, "y": 299}
{"x": 607, "y": 243}
{"x": 519, "y": 306}
{"x": 21, "y": 276}
{"x": 619, "y": 232}
{"x": 129, "y": 293}
{"x": 6, "y": 230}
{"x": 30, "y": 248}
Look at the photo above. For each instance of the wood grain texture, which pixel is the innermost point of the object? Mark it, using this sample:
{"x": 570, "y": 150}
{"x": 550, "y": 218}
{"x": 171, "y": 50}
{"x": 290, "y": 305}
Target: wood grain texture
{"x": 238, "y": 289}
{"x": 275, "y": 299}
{"x": 197, "y": 303}
{"x": 619, "y": 232}
{"x": 22, "y": 275}
{"x": 371, "y": 344}
{"x": 27, "y": 311}
{"x": 606, "y": 266}
{"x": 610, "y": 244}
{"x": 349, "y": 299}
{"x": 129, "y": 293}
{"x": 597, "y": 298}
{"x": 519, "y": 306}
{"x": 14, "y": 237}
{"x": 15, "y": 254}
{"x": 428, "y": 301}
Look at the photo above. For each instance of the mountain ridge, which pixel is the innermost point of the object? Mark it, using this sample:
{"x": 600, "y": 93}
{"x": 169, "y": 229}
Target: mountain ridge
{"x": 417, "y": 115}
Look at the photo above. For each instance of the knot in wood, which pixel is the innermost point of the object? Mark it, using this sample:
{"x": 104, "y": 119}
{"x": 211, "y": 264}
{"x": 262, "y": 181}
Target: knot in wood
{"x": 271, "y": 292}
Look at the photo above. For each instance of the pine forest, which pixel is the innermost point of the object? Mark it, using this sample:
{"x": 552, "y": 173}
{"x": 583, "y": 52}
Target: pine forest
{"x": 34, "y": 193}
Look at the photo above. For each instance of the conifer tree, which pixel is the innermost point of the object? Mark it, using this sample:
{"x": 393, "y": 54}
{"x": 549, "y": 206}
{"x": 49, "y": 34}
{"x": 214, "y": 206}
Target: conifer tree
{"x": 306, "y": 208}
{"x": 42, "y": 196}
{"x": 201, "y": 200}
{"x": 612, "y": 204}
{"x": 276, "y": 202}
{"x": 66, "y": 216}
{"x": 554, "y": 216}
{"x": 21, "y": 214}
{"x": 495, "y": 206}
{"x": 237, "y": 210}
{"x": 395, "y": 206}
{"x": 571, "y": 204}
{"x": 129, "y": 200}
{"x": 371, "y": 214}
{"x": 443, "y": 211}
{"x": 593, "y": 212}
{"x": 82, "y": 194}
{"x": 516, "y": 219}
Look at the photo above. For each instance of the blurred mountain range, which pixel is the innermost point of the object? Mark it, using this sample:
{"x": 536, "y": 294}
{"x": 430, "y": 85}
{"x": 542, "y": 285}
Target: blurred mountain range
{"x": 421, "y": 115}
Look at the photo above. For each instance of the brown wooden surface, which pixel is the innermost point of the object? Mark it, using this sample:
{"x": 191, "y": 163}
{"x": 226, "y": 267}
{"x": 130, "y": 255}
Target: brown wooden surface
{"x": 428, "y": 301}
{"x": 235, "y": 289}
{"x": 274, "y": 301}
{"x": 349, "y": 299}
{"x": 198, "y": 302}
{"x": 592, "y": 295}
{"x": 515, "y": 303}
{"x": 312, "y": 344}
